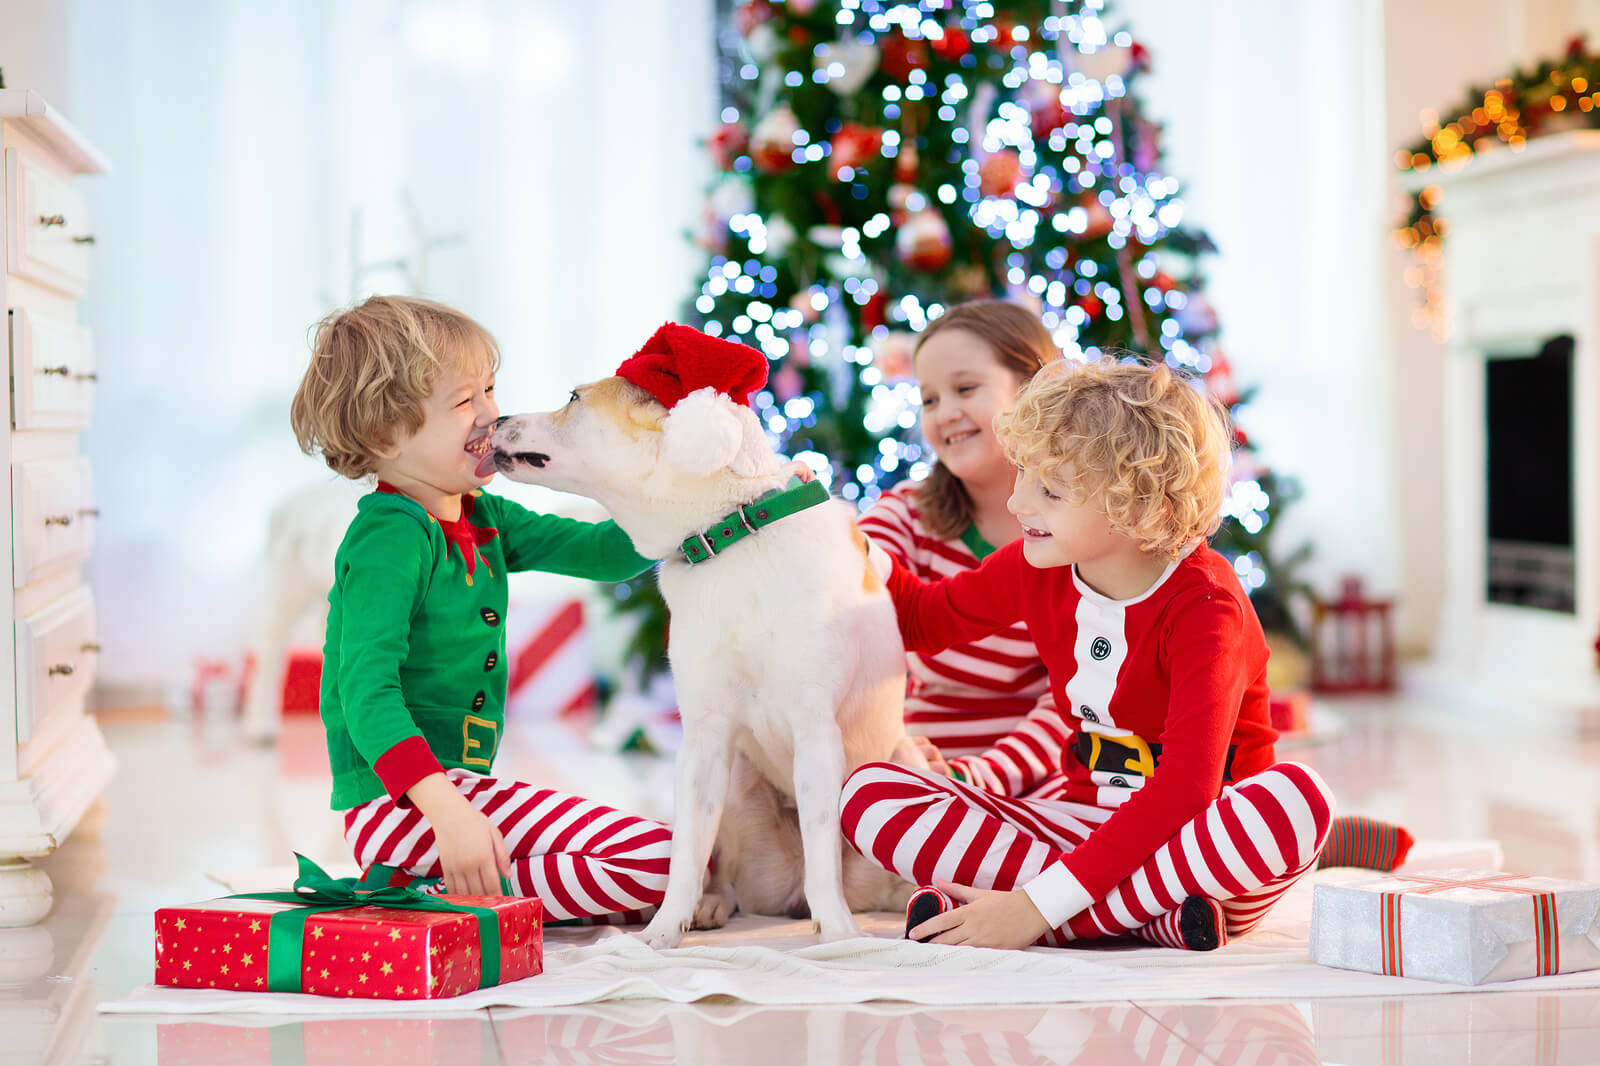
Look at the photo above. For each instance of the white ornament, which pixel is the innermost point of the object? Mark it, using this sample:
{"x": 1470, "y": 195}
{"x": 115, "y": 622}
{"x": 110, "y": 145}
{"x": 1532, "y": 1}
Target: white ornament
{"x": 858, "y": 60}
{"x": 763, "y": 42}
{"x": 731, "y": 196}
{"x": 780, "y": 234}
{"x": 774, "y": 135}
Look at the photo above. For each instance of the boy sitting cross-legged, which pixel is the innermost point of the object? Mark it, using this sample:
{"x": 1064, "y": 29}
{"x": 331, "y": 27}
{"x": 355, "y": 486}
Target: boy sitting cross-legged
{"x": 1171, "y": 819}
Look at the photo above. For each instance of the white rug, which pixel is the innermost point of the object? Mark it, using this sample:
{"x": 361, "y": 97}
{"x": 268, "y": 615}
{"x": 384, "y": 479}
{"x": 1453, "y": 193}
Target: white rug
{"x": 774, "y": 962}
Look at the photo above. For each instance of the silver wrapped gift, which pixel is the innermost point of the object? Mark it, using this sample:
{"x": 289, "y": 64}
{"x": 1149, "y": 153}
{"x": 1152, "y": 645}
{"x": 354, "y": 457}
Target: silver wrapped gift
{"x": 1462, "y": 926}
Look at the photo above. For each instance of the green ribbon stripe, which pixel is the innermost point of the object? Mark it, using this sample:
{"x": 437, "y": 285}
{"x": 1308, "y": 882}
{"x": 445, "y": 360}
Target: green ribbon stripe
{"x": 317, "y": 893}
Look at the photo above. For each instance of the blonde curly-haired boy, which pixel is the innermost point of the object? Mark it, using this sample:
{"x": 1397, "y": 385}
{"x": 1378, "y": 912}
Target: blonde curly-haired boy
{"x": 1170, "y": 817}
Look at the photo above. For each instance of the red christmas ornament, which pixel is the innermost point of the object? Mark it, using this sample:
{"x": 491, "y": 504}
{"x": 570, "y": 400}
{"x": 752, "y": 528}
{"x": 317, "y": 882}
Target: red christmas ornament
{"x": 1141, "y": 57}
{"x": 872, "y": 312}
{"x": 772, "y": 141}
{"x": 953, "y": 45}
{"x": 1164, "y": 281}
{"x": 854, "y": 145}
{"x": 1100, "y": 220}
{"x": 749, "y": 15}
{"x": 923, "y": 243}
{"x": 1045, "y": 111}
{"x": 900, "y": 55}
{"x": 1091, "y": 305}
{"x": 727, "y": 143}
{"x": 999, "y": 174}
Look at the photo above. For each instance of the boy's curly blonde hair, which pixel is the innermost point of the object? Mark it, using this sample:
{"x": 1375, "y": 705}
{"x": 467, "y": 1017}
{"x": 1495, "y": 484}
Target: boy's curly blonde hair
{"x": 372, "y": 366}
{"x": 1142, "y": 442}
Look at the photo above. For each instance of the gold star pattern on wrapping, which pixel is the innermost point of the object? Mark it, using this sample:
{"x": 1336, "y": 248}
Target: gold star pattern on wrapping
{"x": 245, "y": 959}
{"x": 317, "y": 932}
{"x": 386, "y": 969}
{"x": 181, "y": 925}
{"x": 394, "y": 934}
{"x": 324, "y": 975}
{"x": 255, "y": 927}
{"x": 361, "y": 977}
{"x": 224, "y": 969}
{"x": 227, "y": 949}
{"x": 260, "y": 981}
{"x": 186, "y": 964}
{"x": 366, "y": 956}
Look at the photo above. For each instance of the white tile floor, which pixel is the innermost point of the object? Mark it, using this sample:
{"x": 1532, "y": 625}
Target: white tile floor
{"x": 189, "y": 798}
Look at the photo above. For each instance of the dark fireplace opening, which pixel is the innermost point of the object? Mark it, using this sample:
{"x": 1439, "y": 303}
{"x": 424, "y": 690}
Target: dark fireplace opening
{"x": 1528, "y": 404}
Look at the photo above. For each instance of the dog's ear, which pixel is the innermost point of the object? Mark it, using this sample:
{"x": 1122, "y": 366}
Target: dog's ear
{"x": 755, "y": 451}
{"x": 702, "y": 433}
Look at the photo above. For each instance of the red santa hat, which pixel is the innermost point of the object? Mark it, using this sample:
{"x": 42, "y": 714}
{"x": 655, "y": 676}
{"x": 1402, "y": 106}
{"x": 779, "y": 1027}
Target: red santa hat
{"x": 699, "y": 379}
{"x": 678, "y": 360}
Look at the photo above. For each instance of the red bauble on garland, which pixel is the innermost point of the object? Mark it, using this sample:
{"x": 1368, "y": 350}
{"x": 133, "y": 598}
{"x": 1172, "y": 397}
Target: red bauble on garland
{"x": 772, "y": 141}
{"x": 924, "y": 243}
{"x": 752, "y": 13}
{"x": 953, "y": 45}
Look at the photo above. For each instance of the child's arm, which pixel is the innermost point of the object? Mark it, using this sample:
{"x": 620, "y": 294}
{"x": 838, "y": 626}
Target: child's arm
{"x": 933, "y": 615}
{"x": 472, "y": 851}
{"x": 1022, "y": 758}
{"x": 599, "y": 551}
{"x": 1207, "y": 673}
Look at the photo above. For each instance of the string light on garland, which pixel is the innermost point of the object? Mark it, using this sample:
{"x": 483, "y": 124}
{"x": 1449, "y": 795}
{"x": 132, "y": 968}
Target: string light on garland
{"x": 1555, "y": 96}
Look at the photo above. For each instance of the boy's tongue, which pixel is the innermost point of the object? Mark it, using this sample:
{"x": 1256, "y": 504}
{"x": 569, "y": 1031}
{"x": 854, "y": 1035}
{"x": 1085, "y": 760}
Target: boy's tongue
{"x": 485, "y": 466}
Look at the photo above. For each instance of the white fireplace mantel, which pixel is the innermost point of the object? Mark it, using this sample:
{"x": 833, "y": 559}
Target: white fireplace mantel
{"x": 1521, "y": 264}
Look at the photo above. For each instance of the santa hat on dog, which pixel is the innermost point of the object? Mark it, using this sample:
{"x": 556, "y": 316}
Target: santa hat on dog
{"x": 699, "y": 379}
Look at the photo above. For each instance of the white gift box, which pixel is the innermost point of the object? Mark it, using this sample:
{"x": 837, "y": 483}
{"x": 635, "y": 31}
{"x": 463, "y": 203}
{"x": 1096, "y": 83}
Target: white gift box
{"x": 1462, "y": 926}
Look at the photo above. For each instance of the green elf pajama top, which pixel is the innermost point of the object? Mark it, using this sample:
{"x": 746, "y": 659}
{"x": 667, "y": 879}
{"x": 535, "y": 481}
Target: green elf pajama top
{"x": 413, "y": 668}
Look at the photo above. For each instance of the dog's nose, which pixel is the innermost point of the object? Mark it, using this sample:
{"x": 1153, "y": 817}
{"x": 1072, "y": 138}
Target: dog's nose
{"x": 502, "y": 420}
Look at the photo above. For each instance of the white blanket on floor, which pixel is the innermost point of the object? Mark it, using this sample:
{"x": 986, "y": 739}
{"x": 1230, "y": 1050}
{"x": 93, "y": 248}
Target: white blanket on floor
{"x": 768, "y": 961}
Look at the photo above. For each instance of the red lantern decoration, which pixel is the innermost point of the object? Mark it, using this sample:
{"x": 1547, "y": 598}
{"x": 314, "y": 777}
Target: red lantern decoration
{"x": 1352, "y": 642}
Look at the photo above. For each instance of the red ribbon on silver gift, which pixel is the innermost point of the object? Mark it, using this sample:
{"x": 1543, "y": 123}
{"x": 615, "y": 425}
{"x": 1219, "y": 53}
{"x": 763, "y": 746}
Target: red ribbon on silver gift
{"x": 1546, "y": 930}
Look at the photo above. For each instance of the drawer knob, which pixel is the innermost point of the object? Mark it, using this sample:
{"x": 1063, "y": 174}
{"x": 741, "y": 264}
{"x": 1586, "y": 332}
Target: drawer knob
{"x": 52, "y": 220}
{"x": 86, "y": 238}
{"x": 89, "y": 512}
{"x": 91, "y": 376}
{"x": 58, "y": 520}
{"x": 59, "y": 371}
{"x": 61, "y": 670}
{"x": 88, "y": 647}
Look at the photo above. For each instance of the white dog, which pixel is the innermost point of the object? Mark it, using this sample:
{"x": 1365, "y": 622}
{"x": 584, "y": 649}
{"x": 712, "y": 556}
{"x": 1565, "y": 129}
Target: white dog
{"x": 787, "y": 664}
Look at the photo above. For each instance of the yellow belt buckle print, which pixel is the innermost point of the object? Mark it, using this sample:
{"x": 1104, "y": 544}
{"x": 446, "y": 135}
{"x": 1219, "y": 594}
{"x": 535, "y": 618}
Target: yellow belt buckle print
{"x": 1142, "y": 761}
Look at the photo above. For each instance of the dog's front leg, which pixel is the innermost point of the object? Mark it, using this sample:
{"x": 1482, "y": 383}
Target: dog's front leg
{"x": 818, "y": 780}
{"x": 702, "y": 788}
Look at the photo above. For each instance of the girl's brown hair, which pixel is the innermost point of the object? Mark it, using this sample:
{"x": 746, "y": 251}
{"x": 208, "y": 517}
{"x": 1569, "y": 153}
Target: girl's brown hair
{"x": 1023, "y": 346}
{"x": 372, "y": 366}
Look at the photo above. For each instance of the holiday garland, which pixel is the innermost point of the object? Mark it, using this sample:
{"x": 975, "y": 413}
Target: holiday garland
{"x": 1555, "y": 96}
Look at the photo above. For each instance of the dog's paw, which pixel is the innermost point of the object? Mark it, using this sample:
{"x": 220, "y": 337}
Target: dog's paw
{"x": 659, "y": 934}
{"x": 836, "y": 929}
{"x": 712, "y": 912}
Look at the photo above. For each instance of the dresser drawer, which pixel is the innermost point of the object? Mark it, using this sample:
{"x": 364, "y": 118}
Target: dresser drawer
{"x": 52, "y": 516}
{"x": 56, "y": 658}
{"x": 49, "y": 234}
{"x": 52, "y": 371}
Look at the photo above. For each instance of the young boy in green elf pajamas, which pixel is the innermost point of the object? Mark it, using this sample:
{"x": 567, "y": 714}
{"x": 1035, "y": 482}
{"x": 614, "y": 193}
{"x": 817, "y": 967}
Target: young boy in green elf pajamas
{"x": 414, "y": 671}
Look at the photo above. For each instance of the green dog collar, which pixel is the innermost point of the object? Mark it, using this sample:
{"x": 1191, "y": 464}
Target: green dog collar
{"x": 748, "y": 518}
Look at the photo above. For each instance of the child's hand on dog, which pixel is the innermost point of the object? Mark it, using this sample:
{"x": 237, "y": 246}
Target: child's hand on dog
{"x": 986, "y": 919}
{"x": 931, "y": 752}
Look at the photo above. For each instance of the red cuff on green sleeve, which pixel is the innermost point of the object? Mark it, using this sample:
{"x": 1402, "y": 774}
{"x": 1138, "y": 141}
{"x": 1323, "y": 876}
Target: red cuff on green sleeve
{"x": 404, "y": 765}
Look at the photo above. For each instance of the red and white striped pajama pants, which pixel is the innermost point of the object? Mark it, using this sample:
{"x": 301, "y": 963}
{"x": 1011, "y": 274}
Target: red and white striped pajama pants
{"x": 1244, "y": 850}
{"x": 581, "y": 858}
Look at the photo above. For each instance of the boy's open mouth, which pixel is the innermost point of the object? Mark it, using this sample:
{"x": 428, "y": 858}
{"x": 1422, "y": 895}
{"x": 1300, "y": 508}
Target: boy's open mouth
{"x": 483, "y": 449}
{"x": 1029, "y": 531}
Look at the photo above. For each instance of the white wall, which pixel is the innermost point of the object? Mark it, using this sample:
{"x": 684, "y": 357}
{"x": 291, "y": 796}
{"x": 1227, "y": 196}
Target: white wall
{"x": 244, "y": 137}
{"x": 1433, "y": 51}
{"x": 33, "y": 48}
{"x": 1272, "y": 115}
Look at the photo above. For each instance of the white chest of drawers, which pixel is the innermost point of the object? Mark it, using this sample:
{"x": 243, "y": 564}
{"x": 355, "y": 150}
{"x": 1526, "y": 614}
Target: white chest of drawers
{"x": 53, "y": 760}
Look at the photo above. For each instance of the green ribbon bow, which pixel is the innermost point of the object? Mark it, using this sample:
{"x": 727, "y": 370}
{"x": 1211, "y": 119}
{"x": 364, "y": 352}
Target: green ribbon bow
{"x": 316, "y": 893}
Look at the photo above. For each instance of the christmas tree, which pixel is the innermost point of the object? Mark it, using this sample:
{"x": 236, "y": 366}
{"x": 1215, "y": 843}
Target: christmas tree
{"x": 882, "y": 161}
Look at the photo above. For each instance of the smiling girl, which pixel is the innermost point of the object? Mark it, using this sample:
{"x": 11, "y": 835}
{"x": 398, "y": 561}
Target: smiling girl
{"x": 984, "y": 705}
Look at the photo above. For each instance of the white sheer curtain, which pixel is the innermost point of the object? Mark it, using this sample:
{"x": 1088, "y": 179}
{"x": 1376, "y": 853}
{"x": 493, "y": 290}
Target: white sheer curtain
{"x": 554, "y": 143}
{"x": 1273, "y": 116}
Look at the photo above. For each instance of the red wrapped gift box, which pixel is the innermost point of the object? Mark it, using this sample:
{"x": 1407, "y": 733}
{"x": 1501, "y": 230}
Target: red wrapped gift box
{"x": 370, "y": 952}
